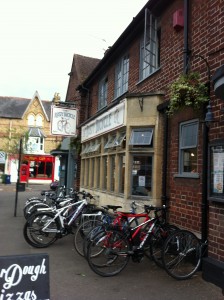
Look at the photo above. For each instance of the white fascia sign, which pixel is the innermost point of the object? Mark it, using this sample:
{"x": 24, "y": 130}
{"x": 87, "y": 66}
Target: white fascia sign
{"x": 108, "y": 121}
{"x": 63, "y": 121}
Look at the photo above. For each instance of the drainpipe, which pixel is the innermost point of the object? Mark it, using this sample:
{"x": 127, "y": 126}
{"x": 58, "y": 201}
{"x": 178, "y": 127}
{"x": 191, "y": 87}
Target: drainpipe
{"x": 204, "y": 204}
{"x": 88, "y": 100}
{"x": 186, "y": 27}
{"x": 165, "y": 145}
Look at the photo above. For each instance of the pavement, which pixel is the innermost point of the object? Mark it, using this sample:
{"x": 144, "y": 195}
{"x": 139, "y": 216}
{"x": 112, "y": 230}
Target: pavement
{"x": 72, "y": 279}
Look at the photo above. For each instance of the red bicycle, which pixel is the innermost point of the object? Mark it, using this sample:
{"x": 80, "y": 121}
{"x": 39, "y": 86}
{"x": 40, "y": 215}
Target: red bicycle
{"x": 109, "y": 250}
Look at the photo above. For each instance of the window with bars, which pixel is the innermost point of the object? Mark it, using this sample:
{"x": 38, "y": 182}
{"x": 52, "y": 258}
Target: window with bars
{"x": 121, "y": 76}
{"x": 150, "y": 49}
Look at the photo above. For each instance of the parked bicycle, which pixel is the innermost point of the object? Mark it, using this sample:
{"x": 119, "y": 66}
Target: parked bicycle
{"x": 47, "y": 225}
{"x": 109, "y": 251}
{"x": 182, "y": 254}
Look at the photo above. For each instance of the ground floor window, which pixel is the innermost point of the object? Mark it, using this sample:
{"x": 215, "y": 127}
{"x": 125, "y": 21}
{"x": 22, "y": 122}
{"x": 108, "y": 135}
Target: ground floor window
{"x": 121, "y": 173}
{"x": 97, "y": 172}
{"x": 104, "y": 173}
{"x": 112, "y": 173}
{"x": 141, "y": 175}
{"x": 40, "y": 167}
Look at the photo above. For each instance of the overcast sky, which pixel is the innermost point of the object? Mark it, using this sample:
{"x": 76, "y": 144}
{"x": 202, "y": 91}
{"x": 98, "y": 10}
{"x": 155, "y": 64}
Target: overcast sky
{"x": 39, "y": 38}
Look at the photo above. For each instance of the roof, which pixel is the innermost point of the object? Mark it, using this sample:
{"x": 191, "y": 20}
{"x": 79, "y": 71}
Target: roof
{"x": 82, "y": 66}
{"x": 36, "y": 132}
{"x": 15, "y": 107}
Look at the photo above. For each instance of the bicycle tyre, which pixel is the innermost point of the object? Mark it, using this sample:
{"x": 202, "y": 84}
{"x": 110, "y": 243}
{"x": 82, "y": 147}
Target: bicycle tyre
{"x": 33, "y": 233}
{"x": 82, "y": 232}
{"x": 181, "y": 254}
{"x": 108, "y": 252}
{"x": 34, "y": 209}
{"x": 30, "y": 204}
{"x": 157, "y": 241}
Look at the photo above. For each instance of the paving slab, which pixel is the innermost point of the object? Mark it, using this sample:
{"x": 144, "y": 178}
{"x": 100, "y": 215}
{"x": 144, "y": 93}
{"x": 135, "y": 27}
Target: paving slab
{"x": 70, "y": 276}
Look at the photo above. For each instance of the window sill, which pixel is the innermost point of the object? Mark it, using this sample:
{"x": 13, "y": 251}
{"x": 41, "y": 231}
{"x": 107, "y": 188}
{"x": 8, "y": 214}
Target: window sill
{"x": 150, "y": 75}
{"x": 216, "y": 199}
{"x": 187, "y": 175}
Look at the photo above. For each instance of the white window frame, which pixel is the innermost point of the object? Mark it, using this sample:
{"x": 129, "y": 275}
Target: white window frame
{"x": 39, "y": 121}
{"x": 31, "y": 120}
{"x": 35, "y": 145}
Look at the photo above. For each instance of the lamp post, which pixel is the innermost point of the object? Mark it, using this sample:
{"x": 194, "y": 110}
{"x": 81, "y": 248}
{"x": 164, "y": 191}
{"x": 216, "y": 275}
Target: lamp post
{"x": 17, "y": 183}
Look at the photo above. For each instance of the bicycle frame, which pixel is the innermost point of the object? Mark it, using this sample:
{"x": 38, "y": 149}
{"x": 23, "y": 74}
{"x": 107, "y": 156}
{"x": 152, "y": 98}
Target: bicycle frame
{"x": 134, "y": 231}
{"x": 61, "y": 212}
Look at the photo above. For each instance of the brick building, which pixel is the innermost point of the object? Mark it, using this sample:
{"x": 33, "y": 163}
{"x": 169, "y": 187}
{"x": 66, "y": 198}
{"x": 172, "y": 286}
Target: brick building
{"x": 29, "y": 120}
{"x": 132, "y": 148}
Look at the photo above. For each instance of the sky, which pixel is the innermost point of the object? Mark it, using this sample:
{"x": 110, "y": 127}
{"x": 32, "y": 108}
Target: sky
{"x": 40, "y": 37}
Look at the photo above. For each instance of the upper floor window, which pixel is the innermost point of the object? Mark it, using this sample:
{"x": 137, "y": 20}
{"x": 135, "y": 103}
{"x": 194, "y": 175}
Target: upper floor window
{"x": 149, "y": 52}
{"x": 35, "y": 145}
{"x": 39, "y": 121}
{"x": 31, "y": 120}
{"x": 121, "y": 76}
{"x": 103, "y": 87}
{"x": 35, "y": 120}
{"x": 188, "y": 147}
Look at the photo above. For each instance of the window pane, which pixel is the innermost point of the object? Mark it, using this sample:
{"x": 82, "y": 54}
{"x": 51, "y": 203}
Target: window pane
{"x": 105, "y": 160}
{"x": 121, "y": 76}
{"x": 189, "y": 135}
{"x": 188, "y": 147}
{"x": 141, "y": 136}
{"x": 142, "y": 175}
{"x": 112, "y": 172}
{"x": 39, "y": 121}
{"x": 31, "y": 120}
{"x": 149, "y": 52}
{"x": 97, "y": 172}
{"x": 103, "y": 85}
{"x": 190, "y": 160}
{"x": 121, "y": 173}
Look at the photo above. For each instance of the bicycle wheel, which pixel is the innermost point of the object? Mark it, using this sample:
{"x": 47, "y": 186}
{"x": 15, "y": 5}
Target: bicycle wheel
{"x": 181, "y": 254}
{"x": 157, "y": 241}
{"x": 81, "y": 233}
{"x": 33, "y": 233}
{"x": 34, "y": 209}
{"x": 30, "y": 204}
{"x": 107, "y": 252}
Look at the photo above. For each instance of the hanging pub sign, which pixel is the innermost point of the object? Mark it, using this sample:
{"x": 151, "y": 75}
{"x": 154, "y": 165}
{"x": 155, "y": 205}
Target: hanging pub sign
{"x": 63, "y": 121}
{"x": 24, "y": 277}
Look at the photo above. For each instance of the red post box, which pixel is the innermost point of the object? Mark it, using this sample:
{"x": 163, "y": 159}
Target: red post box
{"x": 24, "y": 173}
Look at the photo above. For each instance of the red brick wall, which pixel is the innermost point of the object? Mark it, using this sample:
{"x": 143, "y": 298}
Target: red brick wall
{"x": 206, "y": 38}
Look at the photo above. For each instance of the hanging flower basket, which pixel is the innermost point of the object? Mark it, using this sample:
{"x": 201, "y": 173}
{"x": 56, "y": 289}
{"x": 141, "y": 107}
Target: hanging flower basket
{"x": 188, "y": 91}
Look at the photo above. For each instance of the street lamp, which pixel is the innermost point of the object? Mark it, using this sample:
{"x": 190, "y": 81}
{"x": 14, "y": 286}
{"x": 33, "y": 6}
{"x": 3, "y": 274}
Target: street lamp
{"x": 17, "y": 183}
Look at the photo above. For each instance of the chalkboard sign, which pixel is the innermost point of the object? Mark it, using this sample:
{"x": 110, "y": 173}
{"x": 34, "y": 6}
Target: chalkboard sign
{"x": 24, "y": 277}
